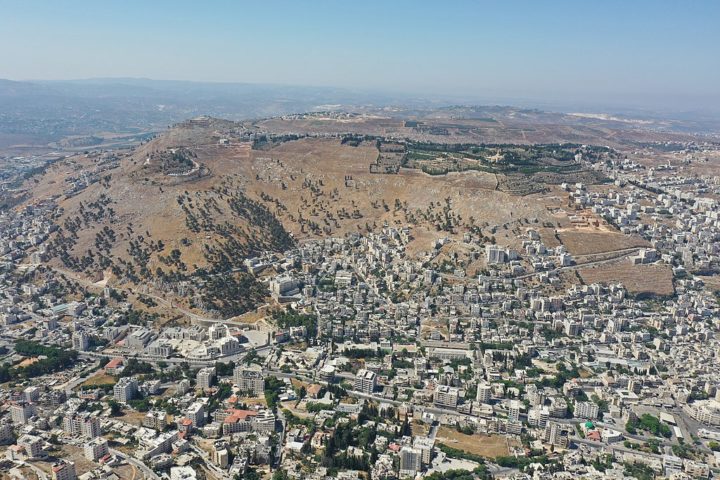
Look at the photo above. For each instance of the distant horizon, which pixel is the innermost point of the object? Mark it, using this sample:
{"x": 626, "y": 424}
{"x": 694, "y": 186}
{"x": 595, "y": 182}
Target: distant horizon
{"x": 643, "y": 54}
{"x": 559, "y": 105}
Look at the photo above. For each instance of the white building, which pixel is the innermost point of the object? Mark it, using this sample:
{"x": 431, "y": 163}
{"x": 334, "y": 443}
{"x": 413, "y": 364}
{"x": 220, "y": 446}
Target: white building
{"x": 410, "y": 461}
{"x": 182, "y": 473}
{"x": 514, "y": 411}
{"x": 556, "y": 434}
{"x": 21, "y": 412}
{"x": 125, "y": 389}
{"x": 365, "y": 381}
{"x": 249, "y": 379}
{"x": 63, "y": 470}
{"x": 484, "y": 391}
{"x": 538, "y": 417}
{"x": 32, "y": 445}
{"x": 196, "y": 414}
{"x": 84, "y": 425}
{"x": 446, "y": 396}
{"x": 80, "y": 341}
{"x": 95, "y": 449}
{"x": 155, "y": 419}
{"x": 588, "y": 410}
{"x": 425, "y": 445}
{"x": 494, "y": 254}
{"x": 205, "y": 377}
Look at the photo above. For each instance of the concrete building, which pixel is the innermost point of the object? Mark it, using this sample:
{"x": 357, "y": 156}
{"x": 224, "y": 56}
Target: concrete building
{"x": 138, "y": 339}
{"x": 183, "y": 386}
{"x": 80, "y": 341}
{"x": 514, "y": 411}
{"x": 538, "y": 417}
{"x": 283, "y": 287}
{"x": 82, "y": 425}
{"x": 556, "y": 434}
{"x": 155, "y": 419}
{"x": 205, "y": 377}
{"x": 125, "y": 389}
{"x": 221, "y": 456}
{"x": 588, "y": 410}
{"x": 494, "y": 254}
{"x": 446, "y": 396}
{"x": 572, "y": 329}
{"x": 31, "y": 394}
{"x": 32, "y": 445}
{"x": 90, "y": 427}
{"x": 425, "y": 445}
{"x": 196, "y": 414}
{"x": 249, "y": 379}
{"x": 365, "y": 381}
{"x": 21, "y": 412}
{"x": 449, "y": 354}
{"x": 484, "y": 391}
{"x": 6, "y": 433}
{"x": 64, "y": 470}
{"x": 706, "y": 412}
{"x": 182, "y": 473}
{"x": 95, "y": 449}
{"x": 410, "y": 462}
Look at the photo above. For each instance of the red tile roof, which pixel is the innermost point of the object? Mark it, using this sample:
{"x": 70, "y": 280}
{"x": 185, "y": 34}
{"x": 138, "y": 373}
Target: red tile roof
{"x": 114, "y": 363}
{"x": 239, "y": 415}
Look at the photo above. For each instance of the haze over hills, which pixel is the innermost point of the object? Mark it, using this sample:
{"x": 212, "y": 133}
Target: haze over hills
{"x": 48, "y": 111}
{"x": 41, "y": 113}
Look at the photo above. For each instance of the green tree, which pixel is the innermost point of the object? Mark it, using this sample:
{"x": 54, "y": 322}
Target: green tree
{"x": 115, "y": 408}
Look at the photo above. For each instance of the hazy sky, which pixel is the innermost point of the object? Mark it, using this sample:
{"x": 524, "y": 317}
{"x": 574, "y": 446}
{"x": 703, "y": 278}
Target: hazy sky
{"x": 603, "y": 50}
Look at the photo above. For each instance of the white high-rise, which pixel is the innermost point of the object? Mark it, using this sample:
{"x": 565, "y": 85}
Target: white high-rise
{"x": 483, "y": 393}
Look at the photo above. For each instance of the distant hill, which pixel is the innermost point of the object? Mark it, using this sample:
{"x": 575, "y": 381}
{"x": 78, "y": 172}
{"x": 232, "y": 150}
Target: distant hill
{"x": 56, "y": 109}
{"x": 40, "y": 112}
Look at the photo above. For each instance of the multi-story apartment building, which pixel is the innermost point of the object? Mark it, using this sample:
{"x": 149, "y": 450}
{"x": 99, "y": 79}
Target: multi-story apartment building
{"x": 249, "y": 379}
{"x": 365, "y": 381}
{"x": 125, "y": 389}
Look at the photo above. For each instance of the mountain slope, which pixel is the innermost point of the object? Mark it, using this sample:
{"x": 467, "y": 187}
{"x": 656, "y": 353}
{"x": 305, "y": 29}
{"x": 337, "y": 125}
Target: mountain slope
{"x": 180, "y": 213}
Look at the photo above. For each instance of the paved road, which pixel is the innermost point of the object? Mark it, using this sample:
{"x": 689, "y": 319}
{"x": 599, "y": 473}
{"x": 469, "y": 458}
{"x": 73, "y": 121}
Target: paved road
{"x": 623, "y": 253}
{"x": 175, "y": 360}
{"x": 147, "y": 471}
{"x": 73, "y": 383}
{"x": 38, "y": 471}
{"x": 283, "y": 422}
{"x": 627, "y": 253}
{"x": 366, "y": 396}
{"x": 208, "y": 462}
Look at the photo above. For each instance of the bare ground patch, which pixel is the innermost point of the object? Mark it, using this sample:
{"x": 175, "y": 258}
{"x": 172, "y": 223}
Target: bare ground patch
{"x": 490, "y": 446}
{"x": 582, "y": 242}
{"x": 655, "y": 279}
{"x": 99, "y": 379}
